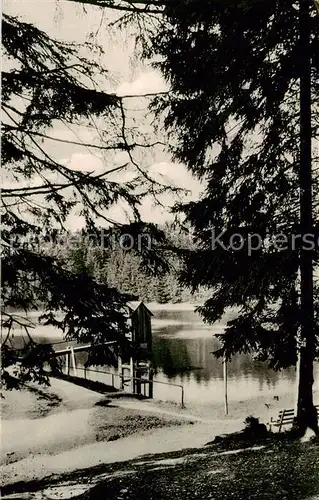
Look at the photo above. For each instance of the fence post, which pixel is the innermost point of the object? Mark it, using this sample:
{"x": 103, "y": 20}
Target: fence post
{"x": 150, "y": 385}
{"x": 112, "y": 379}
{"x": 225, "y": 384}
{"x": 183, "y": 406}
{"x": 132, "y": 375}
{"x": 67, "y": 363}
{"x": 120, "y": 372}
{"x": 73, "y": 362}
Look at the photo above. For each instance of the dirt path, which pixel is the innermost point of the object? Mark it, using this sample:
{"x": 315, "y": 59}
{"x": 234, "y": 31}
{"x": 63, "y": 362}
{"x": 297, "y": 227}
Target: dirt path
{"x": 152, "y": 441}
{"x": 76, "y": 434}
{"x": 148, "y": 406}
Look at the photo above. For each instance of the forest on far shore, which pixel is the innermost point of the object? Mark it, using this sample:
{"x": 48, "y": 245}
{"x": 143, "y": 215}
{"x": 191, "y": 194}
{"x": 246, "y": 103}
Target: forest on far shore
{"x": 120, "y": 268}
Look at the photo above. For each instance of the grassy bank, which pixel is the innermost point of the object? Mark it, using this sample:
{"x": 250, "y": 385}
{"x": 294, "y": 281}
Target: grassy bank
{"x": 275, "y": 469}
{"x": 50, "y": 421}
{"x": 283, "y": 471}
{"x": 89, "y": 449}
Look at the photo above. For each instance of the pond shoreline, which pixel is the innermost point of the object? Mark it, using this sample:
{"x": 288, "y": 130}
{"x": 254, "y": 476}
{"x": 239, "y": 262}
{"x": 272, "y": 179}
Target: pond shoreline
{"x": 87, "y": 429}
{"x": 183, "y": 347}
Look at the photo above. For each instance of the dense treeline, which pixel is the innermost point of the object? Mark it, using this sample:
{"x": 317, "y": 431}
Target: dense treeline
{"x": 120, "y": 268}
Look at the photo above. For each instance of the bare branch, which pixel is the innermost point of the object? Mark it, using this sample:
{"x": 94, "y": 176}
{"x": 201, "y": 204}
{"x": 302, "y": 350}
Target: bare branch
{"x": 43, "y": 189}
{"x": 154, "y": 7}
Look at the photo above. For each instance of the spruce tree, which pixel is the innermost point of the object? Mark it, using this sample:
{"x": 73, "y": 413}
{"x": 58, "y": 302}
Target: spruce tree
{"x": 47, "y": 83}
{"x": 241, "y": 114}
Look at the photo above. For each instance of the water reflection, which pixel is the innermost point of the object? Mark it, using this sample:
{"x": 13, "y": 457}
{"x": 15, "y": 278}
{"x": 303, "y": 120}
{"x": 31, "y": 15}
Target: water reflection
{"x": 182, "y": 354}
{"x": 192, "y": 358}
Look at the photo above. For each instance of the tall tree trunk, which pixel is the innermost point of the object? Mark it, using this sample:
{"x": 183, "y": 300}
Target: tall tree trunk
{"x": 306, "y": 414}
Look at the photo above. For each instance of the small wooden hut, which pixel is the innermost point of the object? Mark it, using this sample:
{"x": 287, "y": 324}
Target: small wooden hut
{"x": 140, "y": 317}
{"x": 141, "y": 336}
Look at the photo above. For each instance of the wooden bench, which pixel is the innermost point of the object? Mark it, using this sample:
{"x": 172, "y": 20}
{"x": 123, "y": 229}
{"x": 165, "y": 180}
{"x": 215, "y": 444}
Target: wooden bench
{"x": 285, "y": 417}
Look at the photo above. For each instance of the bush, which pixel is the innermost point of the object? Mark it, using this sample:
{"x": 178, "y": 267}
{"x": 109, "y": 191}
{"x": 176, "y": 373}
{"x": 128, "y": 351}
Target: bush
{"x": 253, "y": 428}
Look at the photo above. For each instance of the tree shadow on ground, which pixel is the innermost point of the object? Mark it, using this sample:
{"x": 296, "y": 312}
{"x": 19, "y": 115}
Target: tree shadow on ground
{"x": 277, "y": 468}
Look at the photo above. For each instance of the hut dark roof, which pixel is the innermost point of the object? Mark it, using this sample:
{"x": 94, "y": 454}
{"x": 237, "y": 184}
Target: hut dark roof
{"x": 135, "y": 304}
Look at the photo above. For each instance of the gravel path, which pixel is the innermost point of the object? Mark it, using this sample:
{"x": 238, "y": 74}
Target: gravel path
{"x": 85, "y": 430}
{"x": 83, "y": 457}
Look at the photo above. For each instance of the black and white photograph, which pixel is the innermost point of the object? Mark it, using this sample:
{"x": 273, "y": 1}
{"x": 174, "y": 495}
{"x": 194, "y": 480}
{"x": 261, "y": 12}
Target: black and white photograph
{"x": 160, "y": 250}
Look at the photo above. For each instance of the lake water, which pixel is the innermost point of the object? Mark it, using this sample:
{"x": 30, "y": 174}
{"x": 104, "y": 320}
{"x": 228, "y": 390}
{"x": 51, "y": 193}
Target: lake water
{"x": 183, "y": 347}
{"x": 182, "y": 350}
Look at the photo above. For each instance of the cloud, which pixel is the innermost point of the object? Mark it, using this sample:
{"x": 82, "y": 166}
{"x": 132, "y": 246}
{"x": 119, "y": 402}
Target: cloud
{"x": 170, "y": 174}
{"x": 84, "y": 162}
{"x": 78, "y": 134}
{"x": 150, "y": 212}
{"x": 176, "y": 175}
{"x": 94, "y": 163}
{"x": 121, "y": 157}
{"x": 147, "y": 83}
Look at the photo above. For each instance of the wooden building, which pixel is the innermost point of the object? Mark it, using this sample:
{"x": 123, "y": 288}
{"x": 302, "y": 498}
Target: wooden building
{"x": 137, "y": 371}
{"x": 140, "y": 318}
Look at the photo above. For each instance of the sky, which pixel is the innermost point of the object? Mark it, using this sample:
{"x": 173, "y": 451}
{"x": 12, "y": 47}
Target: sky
{"x": 71, "y": 22}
